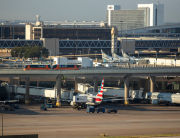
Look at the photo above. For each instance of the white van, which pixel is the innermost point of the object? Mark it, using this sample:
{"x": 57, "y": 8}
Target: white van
{"x": 29, "y": 59}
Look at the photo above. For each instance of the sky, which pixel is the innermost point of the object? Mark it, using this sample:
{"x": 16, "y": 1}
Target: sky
{"x": 77, "y": 10}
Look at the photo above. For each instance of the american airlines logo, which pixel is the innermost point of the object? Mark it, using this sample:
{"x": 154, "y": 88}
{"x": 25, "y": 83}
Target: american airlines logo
{"x": 110, "y": 7}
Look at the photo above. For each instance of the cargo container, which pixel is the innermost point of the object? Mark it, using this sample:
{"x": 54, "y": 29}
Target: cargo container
{"x": 90, "y": 109}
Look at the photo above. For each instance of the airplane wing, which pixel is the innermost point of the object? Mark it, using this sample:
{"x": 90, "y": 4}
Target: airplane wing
{"x": 113, "y": 100}
{"x": 95, "y": 97}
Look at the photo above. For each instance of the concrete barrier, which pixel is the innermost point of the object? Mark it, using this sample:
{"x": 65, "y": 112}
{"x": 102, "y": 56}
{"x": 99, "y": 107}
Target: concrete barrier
{"x": 21, "y": 136}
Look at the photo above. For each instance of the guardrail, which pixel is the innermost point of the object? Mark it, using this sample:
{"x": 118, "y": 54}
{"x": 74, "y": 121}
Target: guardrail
{"x": 103, "y": 68}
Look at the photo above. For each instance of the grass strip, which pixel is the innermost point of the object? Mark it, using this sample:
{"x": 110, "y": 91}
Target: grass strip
{"x": 144, "y": 136}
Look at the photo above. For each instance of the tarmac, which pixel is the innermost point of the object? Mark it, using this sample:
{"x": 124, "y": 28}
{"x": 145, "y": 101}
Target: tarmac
{"x": 66, "y": 122}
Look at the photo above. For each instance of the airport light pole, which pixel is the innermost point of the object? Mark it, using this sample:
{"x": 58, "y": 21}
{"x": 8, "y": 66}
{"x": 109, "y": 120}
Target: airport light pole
{"x": 156, "y": 58}
{"x": 76, "y": 41}
{"x": 126, "y": 42}
{"x": 89, "y": 51}
{"x": 23, "y": 55}
{"x": 171, "y": 59}
{"x": 175, "y": 59}
{"x": 129, "y": 60}
{"x": 59, "y": 58}
{"x": 50, "y": 57}
{"x": 18, "y": 56}
{"x": 95, "y": 54}
{"x": 41, "y": 54}
{"x": 121, "y": 27}
{"x": 70, "y": 54}
{"x": 144, "y": 32}
{"x": 2, "y": 119}
{"x": 14, "y": 54}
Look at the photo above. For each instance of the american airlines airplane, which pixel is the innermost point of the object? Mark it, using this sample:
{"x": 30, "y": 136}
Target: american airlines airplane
{"x": 89, "y": 99}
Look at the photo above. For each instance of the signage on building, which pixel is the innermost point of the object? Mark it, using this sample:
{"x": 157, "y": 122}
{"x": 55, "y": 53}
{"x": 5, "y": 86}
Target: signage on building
{"x": 110, "y": 7}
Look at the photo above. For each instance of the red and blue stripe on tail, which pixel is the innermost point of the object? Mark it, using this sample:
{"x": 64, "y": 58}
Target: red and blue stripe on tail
{"x": 100, "y": 93}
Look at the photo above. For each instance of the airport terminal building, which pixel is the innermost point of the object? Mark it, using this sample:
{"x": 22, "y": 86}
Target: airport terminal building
{"x": 146, "y": 21}
{"x": 144, "y": 15}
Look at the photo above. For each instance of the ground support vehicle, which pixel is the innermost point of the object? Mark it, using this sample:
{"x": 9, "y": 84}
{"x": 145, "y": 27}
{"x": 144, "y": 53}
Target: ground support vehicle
{"x": 15, "y": 106}
{"x": 79, "y": 102}
{"x": 112, "y": 110}
{"x": 79, "y": 106}
{"x": 9, "y": 108}
{"x": 90, "y": 109}
{"x": 43, "y": 108}
{"x": 101, "y": 109}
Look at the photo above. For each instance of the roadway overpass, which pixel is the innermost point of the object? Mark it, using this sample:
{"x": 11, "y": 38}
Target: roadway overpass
{"x": 95, "y": 73}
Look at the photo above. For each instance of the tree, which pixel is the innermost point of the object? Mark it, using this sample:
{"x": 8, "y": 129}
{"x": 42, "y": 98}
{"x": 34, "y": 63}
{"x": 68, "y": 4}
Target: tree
{"x": 17, "y": 49}
{"x": 30, "y": 52}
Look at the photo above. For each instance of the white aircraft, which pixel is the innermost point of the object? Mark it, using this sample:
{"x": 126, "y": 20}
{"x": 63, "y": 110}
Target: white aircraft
{"x": 119, "y": 58}
{"x": 89, "y": 99}
{"x": 127, "y": 56}
{"x": 9, "y": 101}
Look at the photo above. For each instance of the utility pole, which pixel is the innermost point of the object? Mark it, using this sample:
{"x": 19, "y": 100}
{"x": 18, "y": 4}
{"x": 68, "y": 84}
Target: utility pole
{"x": 2, "y": 119}
{"x": 23, "y": 56}
{"x": 41, "y": 54}
{"x": 76, "y": 42}
{"x": 121, "y": 27}
{"x": 14, "y": 54}
{"x": 95, "y": 54}
{"x": 50, "y": 57}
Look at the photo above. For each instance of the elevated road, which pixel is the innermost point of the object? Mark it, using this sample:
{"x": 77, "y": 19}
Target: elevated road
{"x": 94, "y": 72}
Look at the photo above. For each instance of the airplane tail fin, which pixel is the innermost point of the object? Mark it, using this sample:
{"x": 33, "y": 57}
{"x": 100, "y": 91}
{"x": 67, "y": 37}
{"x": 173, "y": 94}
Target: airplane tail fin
{"x": 100, "y": 93}
{"x": 124, "y": 54}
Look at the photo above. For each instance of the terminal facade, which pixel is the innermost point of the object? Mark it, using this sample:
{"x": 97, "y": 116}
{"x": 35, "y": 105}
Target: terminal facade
{"x": 144, "y": 15}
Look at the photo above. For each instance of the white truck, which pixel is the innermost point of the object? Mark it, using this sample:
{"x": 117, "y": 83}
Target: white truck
{"x": 79, "y": 102}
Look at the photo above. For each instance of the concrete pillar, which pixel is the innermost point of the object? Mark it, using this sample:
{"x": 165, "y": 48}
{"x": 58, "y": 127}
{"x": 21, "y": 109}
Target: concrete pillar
{"x": 177, "y": 57}
{"x": 178, "y": 49}
{"x": 141, "y": 83}
{"x": 58, "y": 86}
{"x": 19, "y": 80}
{"x": 152, "y": 83}
{"x": 95, "y": 84}
{"x": 75, "y": 85}
{"x": 163, "y": 85}
{"x": 27, "y": 90}
{"x": 126, "y": 89}
{"x": 37, "y": 83}
{"x": 11, "y": 80}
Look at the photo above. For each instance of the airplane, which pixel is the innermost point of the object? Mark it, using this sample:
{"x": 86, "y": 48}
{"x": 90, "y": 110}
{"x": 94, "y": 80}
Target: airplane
{"x": 119, "y": 58}
{"x": 142, "y": 60}
{"x": 89, "y": 99}
{"x": 127, "y": 56}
